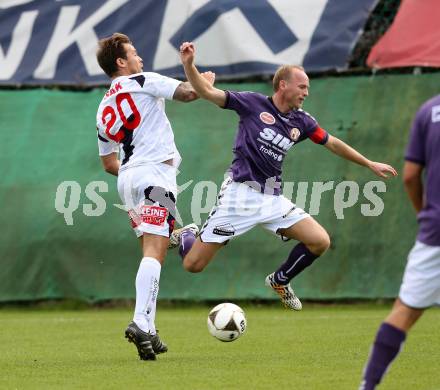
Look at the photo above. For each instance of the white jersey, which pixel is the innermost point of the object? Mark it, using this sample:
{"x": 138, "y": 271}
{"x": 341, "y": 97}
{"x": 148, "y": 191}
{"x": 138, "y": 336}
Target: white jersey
{"x": 131, "y": 120}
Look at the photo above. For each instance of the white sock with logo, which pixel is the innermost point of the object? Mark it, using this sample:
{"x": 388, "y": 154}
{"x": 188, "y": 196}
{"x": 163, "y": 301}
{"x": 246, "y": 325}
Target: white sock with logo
{"x": 147, "y": 289}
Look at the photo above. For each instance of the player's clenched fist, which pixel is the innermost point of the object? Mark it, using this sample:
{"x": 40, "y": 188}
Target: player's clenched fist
{"x": 187, "y": 52}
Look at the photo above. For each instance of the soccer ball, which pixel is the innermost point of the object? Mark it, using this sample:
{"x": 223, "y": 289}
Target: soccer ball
{"x": 226, "y": 322}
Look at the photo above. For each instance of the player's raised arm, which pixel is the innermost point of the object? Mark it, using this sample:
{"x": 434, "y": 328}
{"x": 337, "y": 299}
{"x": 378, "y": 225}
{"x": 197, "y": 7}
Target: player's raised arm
{"x": 201, "y": 85}
{"x": 186, "y": 93}
{"x": 345, "y": 151}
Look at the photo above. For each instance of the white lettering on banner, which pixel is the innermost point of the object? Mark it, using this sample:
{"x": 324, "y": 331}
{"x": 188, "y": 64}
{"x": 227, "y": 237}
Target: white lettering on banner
{"x": 340, "y": 202}
{"x": 219, "y": 45}
{"x": 318, "y": 189}
{"x": 301, "y": 194}
{"x": 67, "y": 199}
{"x": 197, "y": 199}
{"x": 204, "y": 197}
{"x": 98, "y": 200}
{"x": 10, "y": 61}
{"x": 376, "y": 200}
{"x": 83, "y": 35}
{"x": 72, "y": 201}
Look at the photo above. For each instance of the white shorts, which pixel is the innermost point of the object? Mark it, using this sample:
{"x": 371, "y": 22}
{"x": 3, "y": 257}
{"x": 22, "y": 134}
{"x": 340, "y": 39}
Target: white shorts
{"x": 239, "y": 208}
{"x": 421, "y": 282}
{"x": 149, "y": 195}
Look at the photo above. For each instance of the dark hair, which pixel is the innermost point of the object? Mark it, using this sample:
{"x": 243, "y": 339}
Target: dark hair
{"x": 109, "y": 50}
{"x": 284, "y": 72}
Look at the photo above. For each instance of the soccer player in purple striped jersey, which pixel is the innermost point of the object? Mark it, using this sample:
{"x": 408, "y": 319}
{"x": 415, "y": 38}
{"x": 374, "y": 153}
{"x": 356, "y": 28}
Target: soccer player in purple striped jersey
{"x": 268, "y": 128}
{"x": 420, "y": 288}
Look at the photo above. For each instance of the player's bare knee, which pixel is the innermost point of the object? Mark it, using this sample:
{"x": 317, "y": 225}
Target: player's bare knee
{"x": 320, "y": 245}
{"x": 192, "y": 265}
{"x": 326, "y": 242}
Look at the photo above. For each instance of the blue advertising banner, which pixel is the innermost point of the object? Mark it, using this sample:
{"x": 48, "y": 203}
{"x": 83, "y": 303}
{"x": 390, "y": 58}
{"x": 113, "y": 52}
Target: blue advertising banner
{"x": 54, "y": 41}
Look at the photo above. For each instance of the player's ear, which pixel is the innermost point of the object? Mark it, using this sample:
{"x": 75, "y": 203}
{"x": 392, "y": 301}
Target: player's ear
{"x": 282, "y": 84}
{"x": 121, "y": 62}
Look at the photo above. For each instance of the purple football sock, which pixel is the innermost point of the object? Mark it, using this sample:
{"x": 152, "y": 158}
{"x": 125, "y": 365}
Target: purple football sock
{"x": 187, "y": 239}
{"x": 299, "y": 258}
{"x": 387, "y": 345}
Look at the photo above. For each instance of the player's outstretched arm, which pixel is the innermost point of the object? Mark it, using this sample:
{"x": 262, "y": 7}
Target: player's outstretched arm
{"x": 345, "y": 151}
{"x": 111, "y": 163}
{"x": 201, "y": 85}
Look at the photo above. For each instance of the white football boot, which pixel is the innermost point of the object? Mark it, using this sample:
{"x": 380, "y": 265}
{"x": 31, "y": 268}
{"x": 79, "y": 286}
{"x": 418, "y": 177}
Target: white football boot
{"x": 286, "y": 293}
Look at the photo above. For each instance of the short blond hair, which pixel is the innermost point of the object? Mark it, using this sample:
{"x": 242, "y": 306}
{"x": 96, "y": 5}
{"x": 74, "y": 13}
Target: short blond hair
{"x": 284, "y": 72}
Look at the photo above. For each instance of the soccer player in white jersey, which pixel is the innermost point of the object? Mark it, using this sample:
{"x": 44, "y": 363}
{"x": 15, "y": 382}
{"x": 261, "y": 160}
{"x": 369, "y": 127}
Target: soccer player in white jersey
{"x": 268, "y": 128}
{"x": 420, "y": 287}
{"x": 136, "y": 143}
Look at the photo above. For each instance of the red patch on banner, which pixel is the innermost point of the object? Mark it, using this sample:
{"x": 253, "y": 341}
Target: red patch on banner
{"x": 154, "y": 215}
{"x": 267, "y": 118}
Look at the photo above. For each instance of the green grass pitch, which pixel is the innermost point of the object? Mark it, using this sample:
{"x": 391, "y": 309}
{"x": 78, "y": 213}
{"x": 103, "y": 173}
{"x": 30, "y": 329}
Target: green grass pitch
{"x": 322, "y": 347}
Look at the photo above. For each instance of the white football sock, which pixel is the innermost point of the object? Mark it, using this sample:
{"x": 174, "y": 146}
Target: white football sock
{"x": 147, "y": 289}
